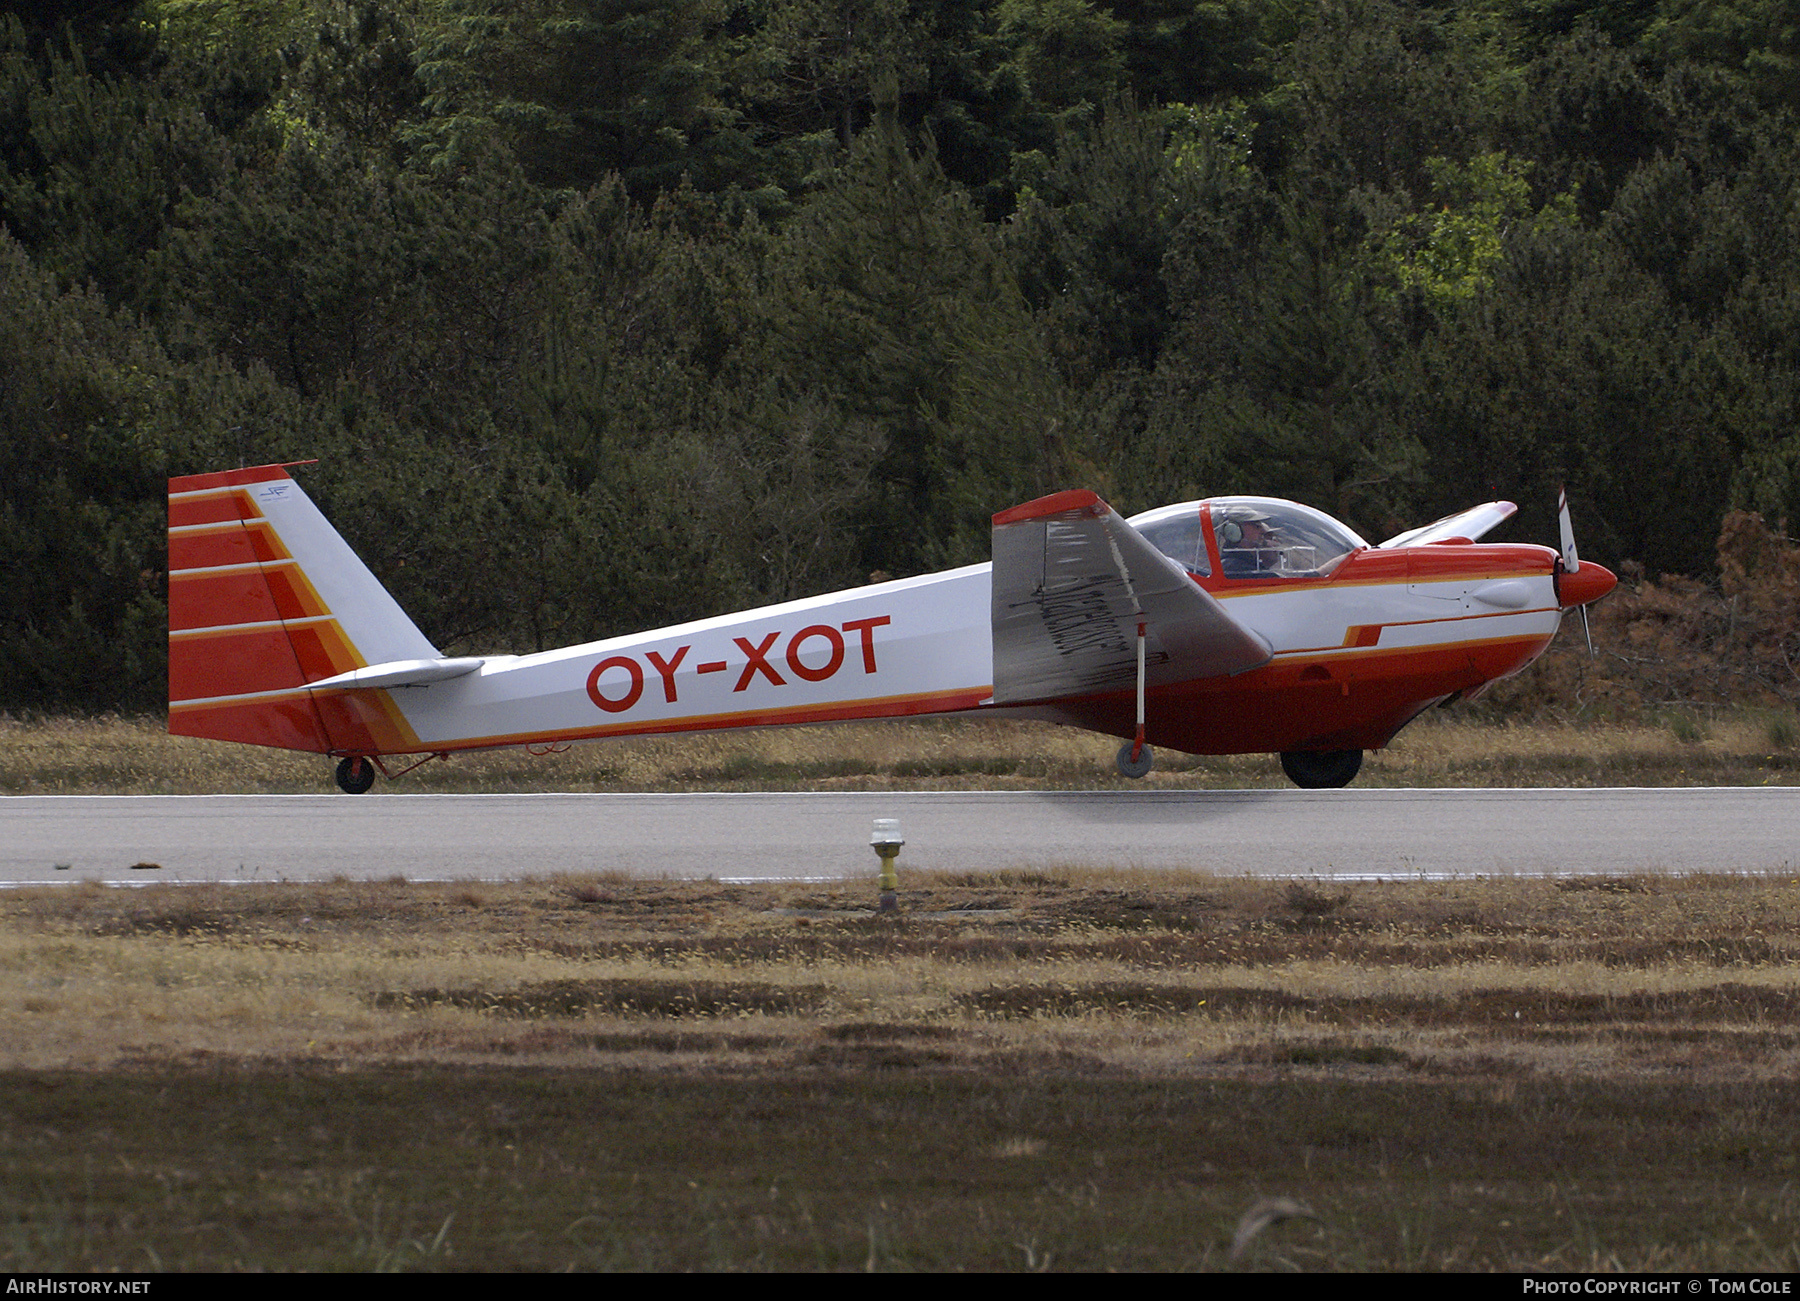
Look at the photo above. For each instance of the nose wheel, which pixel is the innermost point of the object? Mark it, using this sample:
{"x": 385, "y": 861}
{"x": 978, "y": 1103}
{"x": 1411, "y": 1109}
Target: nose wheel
{"x": 355, "y": 774}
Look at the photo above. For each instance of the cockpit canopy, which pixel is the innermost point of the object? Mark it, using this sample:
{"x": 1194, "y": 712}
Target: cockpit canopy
{"x": 1255, "y": 537}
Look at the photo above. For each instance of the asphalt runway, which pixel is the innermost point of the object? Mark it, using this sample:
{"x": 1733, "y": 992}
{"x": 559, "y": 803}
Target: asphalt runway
{"x": 1345, "y": 834}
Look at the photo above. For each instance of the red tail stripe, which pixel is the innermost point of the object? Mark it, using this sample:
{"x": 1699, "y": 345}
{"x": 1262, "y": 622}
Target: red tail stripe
{"x": 211, "y": 509}
{"x": 238, "y": 662}
{"x": 294, "y": 596}
{"x": 366, "y": 722}
{"x": 229, "y": 544}
{"x": 246, "y": 596}
{"x": 290, "y": 724}
{"x": 322, "y": 651}
{"x": 232, "y": 663}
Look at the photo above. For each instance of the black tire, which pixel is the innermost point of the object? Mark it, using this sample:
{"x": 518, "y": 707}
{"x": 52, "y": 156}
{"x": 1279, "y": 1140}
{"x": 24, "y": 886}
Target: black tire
{"x": 1316, "y": 770}
{"x": 1146, "y": 760}
{"x": 355, "y": 774}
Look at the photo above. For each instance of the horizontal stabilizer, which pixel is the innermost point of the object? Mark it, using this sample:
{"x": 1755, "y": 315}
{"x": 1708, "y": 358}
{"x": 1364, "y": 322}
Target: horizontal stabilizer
{"x": 403, "y": 673}
{"x": 1464, "y": 526}
{"x": 1072, "y": 581}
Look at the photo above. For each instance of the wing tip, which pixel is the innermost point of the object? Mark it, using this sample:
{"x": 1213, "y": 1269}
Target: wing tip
{"x": 1057, "y": 503}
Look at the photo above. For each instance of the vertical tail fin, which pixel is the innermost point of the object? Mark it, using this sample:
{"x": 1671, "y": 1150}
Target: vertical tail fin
{"x": 264, "y": 598}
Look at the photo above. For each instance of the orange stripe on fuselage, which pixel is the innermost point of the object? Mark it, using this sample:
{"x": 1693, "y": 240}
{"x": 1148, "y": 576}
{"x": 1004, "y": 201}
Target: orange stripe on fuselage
{"x": 1361, "y": 635}
{"x": 368, "y": 721}
{"x": 881, "y": 707}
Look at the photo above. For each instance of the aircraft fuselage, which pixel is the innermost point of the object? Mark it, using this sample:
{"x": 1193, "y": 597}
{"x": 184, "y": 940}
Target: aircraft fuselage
{"x": 1356, "y": 656}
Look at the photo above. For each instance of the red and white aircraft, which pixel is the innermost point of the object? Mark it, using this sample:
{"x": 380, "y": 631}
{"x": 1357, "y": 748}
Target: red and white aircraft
{"x": 1227, "y": 626}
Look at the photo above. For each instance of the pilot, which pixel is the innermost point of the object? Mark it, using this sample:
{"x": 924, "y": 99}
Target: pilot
{"x": 1247, "y": 546}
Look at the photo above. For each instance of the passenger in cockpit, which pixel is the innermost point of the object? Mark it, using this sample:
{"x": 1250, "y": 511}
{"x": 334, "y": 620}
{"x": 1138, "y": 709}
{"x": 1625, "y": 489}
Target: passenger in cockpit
{"x": 1248, "y": 546}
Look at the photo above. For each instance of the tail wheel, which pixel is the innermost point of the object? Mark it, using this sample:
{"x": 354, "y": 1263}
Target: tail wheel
{"x": 1138, "y": 767}
{"x": 355, "y": 774}
{"x": 1321, "y": 769}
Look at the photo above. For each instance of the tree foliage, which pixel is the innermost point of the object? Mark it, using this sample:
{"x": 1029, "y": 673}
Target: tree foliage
{"x": 603, "y": 313}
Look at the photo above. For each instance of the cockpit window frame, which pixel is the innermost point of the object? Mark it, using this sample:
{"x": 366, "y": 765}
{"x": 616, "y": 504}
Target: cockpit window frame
{"x": 1294, "y": 528}
{"x": 1151, "y": 523}
{"x": 1311, "y": 528}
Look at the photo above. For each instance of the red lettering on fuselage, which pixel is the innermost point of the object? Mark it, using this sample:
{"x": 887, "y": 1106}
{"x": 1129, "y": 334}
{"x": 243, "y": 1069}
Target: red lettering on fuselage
{"x": 756, "y": 662}
{"x": 832, "y": 664}
{"x": 867, "y": 628}
{"x": 630, "y": 698}
{"x": 666, "y": 670}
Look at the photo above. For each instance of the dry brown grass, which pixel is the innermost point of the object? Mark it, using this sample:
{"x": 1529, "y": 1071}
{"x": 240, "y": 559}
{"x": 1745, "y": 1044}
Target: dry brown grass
{"x": 1085, "y": 1070}
{"x": 1445, "y": 748}
{"x": 1128, "y": 972}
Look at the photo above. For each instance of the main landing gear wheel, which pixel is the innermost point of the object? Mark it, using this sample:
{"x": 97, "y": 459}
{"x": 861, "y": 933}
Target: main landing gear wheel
{"x": 1139, "y": 767}
{"x": 1321, "y": 769}
{"x": 356, "y": 774}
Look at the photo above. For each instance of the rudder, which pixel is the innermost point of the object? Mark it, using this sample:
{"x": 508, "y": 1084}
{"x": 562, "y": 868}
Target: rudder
{"x": 264, "y": 598}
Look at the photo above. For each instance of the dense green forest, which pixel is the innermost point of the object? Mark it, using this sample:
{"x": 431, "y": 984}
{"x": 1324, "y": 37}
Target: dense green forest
{"x": 600, "y": 314}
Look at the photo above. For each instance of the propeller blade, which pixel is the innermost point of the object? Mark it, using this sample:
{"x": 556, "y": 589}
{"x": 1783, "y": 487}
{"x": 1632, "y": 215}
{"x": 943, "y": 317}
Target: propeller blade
{"x": 1575, "y": 587}
{"x": 1571, "y": 561}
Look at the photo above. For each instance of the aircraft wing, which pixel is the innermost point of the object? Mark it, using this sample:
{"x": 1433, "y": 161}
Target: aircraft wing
{"x": 1072, "y": 581}
{"x": 1467, "y": 525}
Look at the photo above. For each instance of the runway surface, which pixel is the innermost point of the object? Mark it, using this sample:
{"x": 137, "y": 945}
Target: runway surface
{"x": 1349, "y": 833}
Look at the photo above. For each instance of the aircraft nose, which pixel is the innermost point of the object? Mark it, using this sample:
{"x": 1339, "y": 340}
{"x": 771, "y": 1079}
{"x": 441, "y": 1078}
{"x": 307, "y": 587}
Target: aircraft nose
{"x": 1586, "y": 582}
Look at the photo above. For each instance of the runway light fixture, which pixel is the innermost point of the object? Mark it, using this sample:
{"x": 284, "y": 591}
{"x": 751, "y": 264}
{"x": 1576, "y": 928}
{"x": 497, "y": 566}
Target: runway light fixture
{"x": 886, "y": 840}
